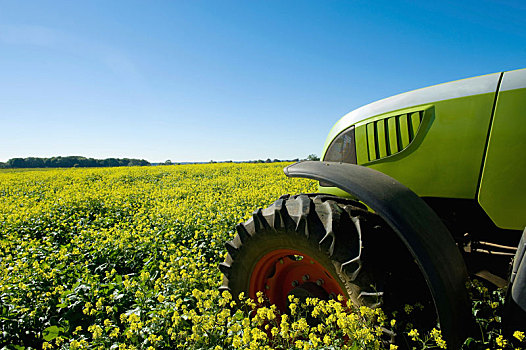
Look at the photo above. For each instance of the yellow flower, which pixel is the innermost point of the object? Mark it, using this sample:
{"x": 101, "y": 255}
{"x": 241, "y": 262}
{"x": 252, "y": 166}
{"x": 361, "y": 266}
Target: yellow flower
{"x": 274, "y": 331}
{"x": 237, "y": 341}
{"x": 413, "y": 333}
{"x": 519, "y": 335}
{"x": 259, "y": 296}
{"x": 326, "y": 339}
{"x": 226, "y": 295}
{"x": 437, "y": 337}
{"x": 293, "y": 308}
{"x": 78, "y": 329}
{"x": 501, "y": 341}
{"x": 96, "y": 331}
{"x": 115, "y": 332}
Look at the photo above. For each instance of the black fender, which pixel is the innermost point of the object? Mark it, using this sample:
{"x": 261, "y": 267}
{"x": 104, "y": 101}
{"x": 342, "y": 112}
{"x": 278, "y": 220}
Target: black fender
{"x": 418, "y": 226}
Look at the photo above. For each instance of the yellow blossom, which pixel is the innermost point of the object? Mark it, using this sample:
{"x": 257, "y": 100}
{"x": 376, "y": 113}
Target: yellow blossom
{"x": 519, "y": 335}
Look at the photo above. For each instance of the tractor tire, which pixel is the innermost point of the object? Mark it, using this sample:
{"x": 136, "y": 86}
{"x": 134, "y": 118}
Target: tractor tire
{"x": 310, "y": 246}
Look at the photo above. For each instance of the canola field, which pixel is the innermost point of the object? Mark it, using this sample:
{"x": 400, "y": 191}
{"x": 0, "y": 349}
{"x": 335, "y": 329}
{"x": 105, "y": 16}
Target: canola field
{"x": 126, "y": 258}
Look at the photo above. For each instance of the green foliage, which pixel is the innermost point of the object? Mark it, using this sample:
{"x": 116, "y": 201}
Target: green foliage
{"x": 487, "y": 309}
{"x": 313, "y": 157}
{"x": 70, "y": 162}
{"x": 95, "y": 258}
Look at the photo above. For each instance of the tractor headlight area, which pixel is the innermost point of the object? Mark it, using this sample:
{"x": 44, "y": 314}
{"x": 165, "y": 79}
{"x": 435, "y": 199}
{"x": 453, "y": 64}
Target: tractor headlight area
{"x": 342, "y": 148}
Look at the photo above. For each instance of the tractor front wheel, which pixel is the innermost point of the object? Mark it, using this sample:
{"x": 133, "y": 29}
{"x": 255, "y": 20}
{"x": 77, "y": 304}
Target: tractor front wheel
{"x": 308, "y": 246}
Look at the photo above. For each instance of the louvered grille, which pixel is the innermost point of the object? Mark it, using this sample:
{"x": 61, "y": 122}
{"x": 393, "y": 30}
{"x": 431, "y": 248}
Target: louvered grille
{"x": 391, "y": 135}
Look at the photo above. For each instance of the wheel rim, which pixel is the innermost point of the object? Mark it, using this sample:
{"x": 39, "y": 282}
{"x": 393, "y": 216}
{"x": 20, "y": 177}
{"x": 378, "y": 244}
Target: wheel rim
{"x": 282, "y": 271}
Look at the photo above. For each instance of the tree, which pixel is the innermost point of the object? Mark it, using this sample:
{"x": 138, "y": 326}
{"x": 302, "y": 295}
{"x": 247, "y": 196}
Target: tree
{"x": 168, "y": 162}
{"x": 313, "y": 157}
{"x": 16, "y": 163}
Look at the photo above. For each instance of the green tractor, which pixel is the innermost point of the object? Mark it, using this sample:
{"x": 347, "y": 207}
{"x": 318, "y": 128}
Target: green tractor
{"x": 417, "y": 192}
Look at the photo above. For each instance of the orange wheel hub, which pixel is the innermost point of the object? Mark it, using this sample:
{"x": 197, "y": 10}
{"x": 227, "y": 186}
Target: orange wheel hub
{"x": 283, "y": 271}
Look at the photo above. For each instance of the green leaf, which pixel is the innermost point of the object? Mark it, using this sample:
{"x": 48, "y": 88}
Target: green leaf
{"x": 238, "y": 316}
{"x": 468, "y": 341}
{"x": 51, "y": 332}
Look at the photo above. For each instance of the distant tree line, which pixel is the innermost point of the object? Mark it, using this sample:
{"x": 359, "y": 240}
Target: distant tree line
{"x": 70, "y": 162}
{"x": 169, "y": 162}
{"x": 241, "y": 161}
{"x": 272, "y": 160}
{"x": 310, "y": 157}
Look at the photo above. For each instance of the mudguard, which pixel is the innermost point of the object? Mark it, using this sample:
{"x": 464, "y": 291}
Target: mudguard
{"x": 417, "y": 225}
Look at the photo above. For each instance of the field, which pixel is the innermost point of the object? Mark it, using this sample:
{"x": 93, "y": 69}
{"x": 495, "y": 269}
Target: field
{"x": 127, "y": 258}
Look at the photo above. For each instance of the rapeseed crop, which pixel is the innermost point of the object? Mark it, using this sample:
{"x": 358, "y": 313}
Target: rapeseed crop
{"x": 126, "y": 258}
{"x": 121, "y": 256}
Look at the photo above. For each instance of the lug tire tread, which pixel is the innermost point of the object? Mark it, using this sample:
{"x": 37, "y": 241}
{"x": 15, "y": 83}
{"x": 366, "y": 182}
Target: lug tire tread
{"x": 333, "y": 224}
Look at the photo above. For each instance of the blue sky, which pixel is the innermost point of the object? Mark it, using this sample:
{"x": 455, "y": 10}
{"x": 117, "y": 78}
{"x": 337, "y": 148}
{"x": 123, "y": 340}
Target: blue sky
{"x": 227, "y": 80}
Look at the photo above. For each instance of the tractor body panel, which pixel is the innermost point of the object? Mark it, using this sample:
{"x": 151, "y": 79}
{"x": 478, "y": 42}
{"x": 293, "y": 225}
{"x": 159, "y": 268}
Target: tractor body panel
{"x": 503, "y": 183}
{"x": 459, "y": 140}
{"x": 443, "y": 160}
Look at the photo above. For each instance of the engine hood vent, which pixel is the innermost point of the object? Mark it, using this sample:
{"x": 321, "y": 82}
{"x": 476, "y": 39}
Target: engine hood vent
{"x": 391, "y": 135}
